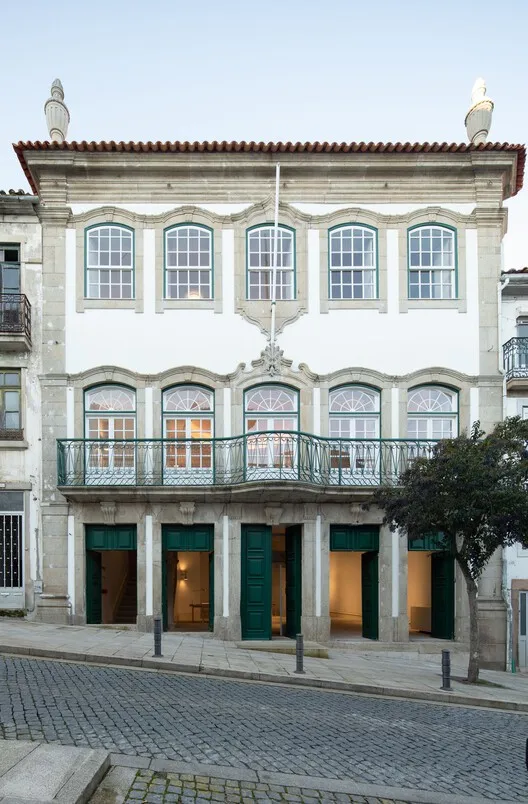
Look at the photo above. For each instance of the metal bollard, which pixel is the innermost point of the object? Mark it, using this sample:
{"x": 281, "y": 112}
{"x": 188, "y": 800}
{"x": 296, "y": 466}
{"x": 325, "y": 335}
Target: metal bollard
{"x": 446, "y": 670}
{"x": 299, "y": 653}
{"x": 157, "y": 636}
{"x": 526, "y": 755}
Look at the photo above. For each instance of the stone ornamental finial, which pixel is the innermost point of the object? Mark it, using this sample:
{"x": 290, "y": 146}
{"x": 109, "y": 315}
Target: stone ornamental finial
{"x": 478, "y": 118}
{"x": 57, "y": 114}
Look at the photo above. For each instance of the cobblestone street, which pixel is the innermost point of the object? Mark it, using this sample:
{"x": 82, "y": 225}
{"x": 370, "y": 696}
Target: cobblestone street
{"x": 168, "y": 788}
{"x": 266, "y": 727}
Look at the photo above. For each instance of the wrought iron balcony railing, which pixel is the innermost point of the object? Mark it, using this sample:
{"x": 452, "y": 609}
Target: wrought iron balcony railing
{"x": 15, "y": 314}
{"x": 252, "y": 458}
{"x": 515, "y": 358}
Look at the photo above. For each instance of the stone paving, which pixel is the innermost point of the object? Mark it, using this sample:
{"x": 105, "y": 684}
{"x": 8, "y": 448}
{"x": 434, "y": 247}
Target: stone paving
{"x": 166, "y": 788}
{"x": 413, "y": 667}
{"x": 266, "y": 727}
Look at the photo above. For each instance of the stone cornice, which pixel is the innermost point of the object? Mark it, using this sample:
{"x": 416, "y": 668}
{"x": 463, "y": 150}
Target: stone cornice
{"x": 87, "y": 176}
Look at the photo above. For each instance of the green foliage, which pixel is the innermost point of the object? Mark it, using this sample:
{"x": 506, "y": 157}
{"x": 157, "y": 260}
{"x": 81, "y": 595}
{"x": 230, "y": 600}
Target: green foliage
{"x": 473, "y": 490}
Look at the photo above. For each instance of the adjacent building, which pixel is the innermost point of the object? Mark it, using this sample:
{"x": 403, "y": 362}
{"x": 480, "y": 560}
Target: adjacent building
{"x": 514, "y": 336}
{"x": 207, "y": 459}
{"x": 20, "y": 412}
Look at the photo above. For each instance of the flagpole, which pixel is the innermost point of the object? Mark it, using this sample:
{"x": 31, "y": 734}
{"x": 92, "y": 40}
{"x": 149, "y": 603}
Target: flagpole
{"x": 275, "y": 257}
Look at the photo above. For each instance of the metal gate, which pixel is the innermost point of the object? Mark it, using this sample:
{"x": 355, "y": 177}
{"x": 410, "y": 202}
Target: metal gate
{"x": 11, "y": 550}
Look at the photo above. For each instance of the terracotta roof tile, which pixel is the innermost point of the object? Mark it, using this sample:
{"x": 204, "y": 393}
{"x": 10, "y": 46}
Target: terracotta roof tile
{"x": 271, "y": 147}
{"x": 14, "y": 192}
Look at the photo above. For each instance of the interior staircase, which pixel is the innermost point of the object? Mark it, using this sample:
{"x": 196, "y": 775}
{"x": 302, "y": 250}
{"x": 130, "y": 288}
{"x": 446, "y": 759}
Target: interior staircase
{"x": 126, "y": 612}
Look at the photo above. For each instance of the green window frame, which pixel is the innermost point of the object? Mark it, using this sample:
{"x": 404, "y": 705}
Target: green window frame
{"x": 10, "y": 268}
{"x": 10, "y": 404}
{"x": 192, "y": 282}
{"x": 260, "y": 270}
{"x": 337, "y": 286}
{"x": 434, "y": 419}
{"x": 120, "y": 277}
{"x": 425, "y": 281}
{"x": 354, "y": 413}
{"x": 269, "y": 412}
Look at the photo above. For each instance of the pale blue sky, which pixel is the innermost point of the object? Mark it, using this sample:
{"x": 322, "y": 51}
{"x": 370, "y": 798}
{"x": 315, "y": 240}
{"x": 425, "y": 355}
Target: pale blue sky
{"x": 297, "y": 69}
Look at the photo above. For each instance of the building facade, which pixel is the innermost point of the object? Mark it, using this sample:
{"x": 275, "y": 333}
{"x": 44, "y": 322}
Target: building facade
{"x": 194, "y": 467}
{"x": 514, "y": 336}
{"x": 20, "y": 414}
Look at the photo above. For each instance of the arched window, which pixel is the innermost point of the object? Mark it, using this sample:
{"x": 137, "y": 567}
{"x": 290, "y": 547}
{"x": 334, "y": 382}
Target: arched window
{"x": 432, "y": 262}
{"x": 189, "y": 262}
{"x": 354, "y": 412}
{"x": 109, "y": 262}
{"x": 110, "y": 416}
{"x": 271, "y": 407}
{"x": 260, "y": 250}
{"x": 188, "y": 414}
{"x": 432, "y": 413}
{"x": 352, "y": 258}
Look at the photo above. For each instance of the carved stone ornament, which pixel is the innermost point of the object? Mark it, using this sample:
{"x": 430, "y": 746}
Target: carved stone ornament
{"x": 187, "y": 512}
{"x": 272, "y": 359}
{"x": 108, "y": 510}
{"x": 273, "y": 515}
{"x": 57, "y": 114}
{"x": 355, "y": 514}
{"x": 478, "y": 118}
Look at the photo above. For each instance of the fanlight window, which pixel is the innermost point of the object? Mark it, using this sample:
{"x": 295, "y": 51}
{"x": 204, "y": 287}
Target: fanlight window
{"x": 432, "y": 263}
{"x": 260, "y": 251}
{"x": 354, "y": 414}
{"x": 188, "y": 399}
{"x": 110, "y": 398}
{"x": 188, "y": 262}
{"x": 352, "y": 263}
{"x": 188, "y": 414}
{"x": 432, "y": 413}
{"x": 109, "y": 262}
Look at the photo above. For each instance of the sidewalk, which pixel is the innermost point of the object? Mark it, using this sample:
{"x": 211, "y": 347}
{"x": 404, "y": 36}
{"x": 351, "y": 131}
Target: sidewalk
{"x": 407, "y": 674}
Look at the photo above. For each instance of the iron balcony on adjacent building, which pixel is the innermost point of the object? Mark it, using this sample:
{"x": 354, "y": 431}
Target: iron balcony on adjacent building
{"x": 515, "y": 361}
{"x": 289, "y": 463}
{"x": 15, "y": 322}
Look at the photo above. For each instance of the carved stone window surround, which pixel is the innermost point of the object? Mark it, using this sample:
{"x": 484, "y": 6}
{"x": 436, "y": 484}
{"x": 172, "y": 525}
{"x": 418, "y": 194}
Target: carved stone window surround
{"x": 102, "y": 216}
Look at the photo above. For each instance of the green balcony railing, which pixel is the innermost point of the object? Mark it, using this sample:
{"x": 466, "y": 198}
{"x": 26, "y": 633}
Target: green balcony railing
{"x": 515, "y": 358}
{"x": 252, "y": 458}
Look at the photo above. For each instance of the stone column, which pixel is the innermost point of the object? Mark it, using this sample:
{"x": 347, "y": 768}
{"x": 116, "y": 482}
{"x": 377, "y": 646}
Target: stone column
{"x": 461, "y": 607}
{"x": 221, "y": 617}
{"x": 323, "y": 621}
{"x": 157, "y": 558}
{"x": 80, "y": 569}
{"x": 53, "y": 604}
{"x": 309, "y": 581}
{"x": 492, "y": 615}
{"x": 401, "y": 630}
{"x": 385, "y": 585}
{"x": 234, "y": 626}
{"x": 141, "y": 558}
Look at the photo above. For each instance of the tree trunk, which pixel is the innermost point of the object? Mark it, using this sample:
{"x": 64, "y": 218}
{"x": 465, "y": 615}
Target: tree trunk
{"x": 474, "y": 635}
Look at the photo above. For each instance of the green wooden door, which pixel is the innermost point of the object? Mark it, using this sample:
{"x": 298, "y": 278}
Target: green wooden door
{"x": 369, "y": 594}
{"x": 94, "y": 603}
{"x": 442, "y": 596}
{"x": 211, "y": 591}
{"x": 255, "y": 597}
{"x": 293, "y": 580}
{"x": 164, "y": 603}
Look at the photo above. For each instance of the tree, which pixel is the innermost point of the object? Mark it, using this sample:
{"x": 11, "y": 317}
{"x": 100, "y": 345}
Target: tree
{"x": 472, "y": 491}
